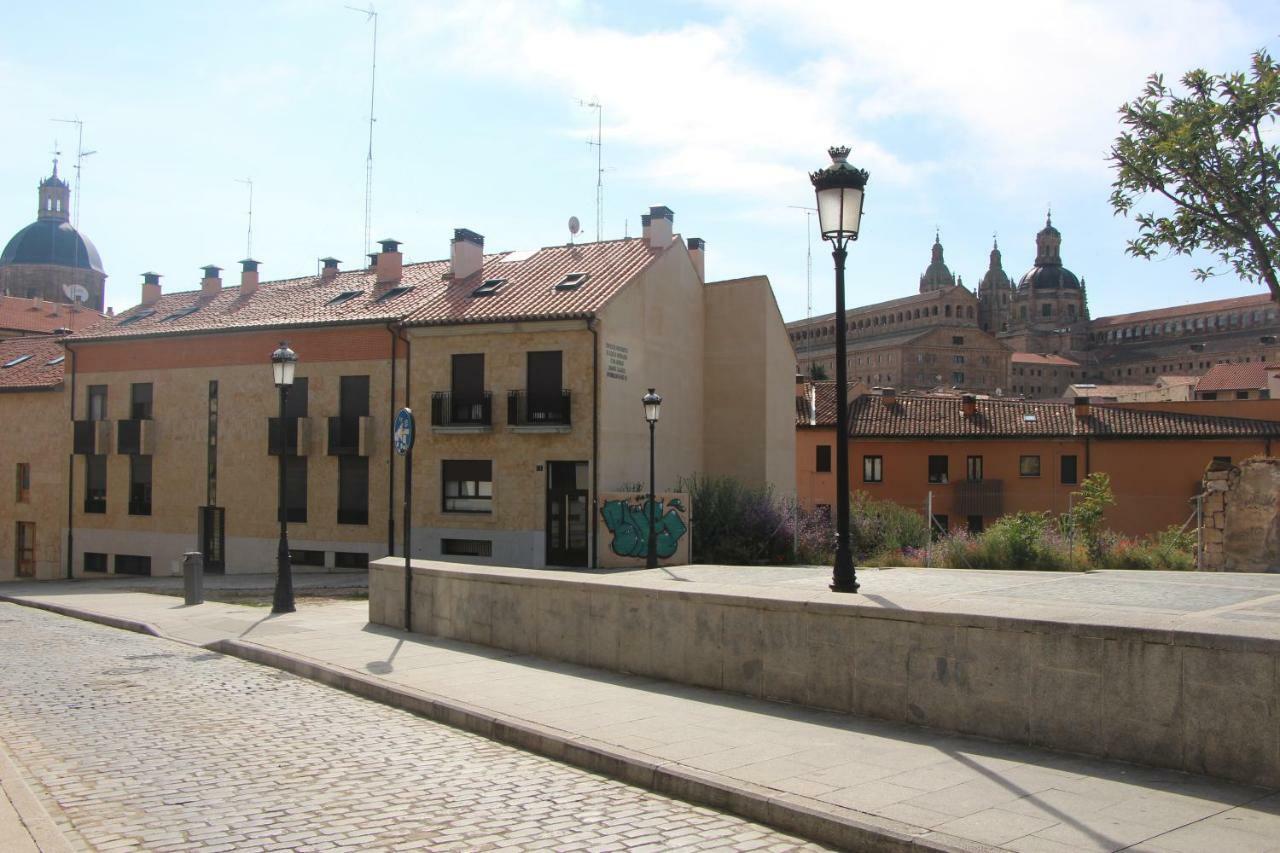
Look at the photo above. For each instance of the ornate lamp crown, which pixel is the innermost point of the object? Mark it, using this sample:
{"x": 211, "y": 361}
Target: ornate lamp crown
{"x": 839, "y": 173}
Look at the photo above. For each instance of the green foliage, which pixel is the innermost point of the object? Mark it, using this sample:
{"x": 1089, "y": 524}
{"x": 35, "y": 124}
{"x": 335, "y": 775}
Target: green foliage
{"x": 1170, "y": 550}
{"x": 1210, "y": 155}
{"x": 1024, "y": 540}
{"x": 881, "y": 528}
{"x": 735, "y": 524}
{"x": 818, "y": 373}
{"x": 1087, "y": 513}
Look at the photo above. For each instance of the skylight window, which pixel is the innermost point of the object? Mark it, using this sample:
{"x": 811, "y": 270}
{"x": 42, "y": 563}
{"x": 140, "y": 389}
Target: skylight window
{"x": 345, "y": 296}
{"x": 399, "y": 290}
{"x": 178, "y": 315}
{"x": 573, "y": 281}
{"x": 141, "y": 315}
{"x": 14, "y": 362}
{"x": 55, "y": 361}
{"x": 1029, "y": 418}
{"x": 490, "y": 287}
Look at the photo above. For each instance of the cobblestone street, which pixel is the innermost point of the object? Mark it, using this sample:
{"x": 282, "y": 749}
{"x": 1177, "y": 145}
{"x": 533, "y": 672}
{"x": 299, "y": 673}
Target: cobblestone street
{"x": 141, "y": 743}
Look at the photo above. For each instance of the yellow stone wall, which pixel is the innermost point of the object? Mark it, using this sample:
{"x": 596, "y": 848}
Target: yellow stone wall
{"x": 32, "y": 427}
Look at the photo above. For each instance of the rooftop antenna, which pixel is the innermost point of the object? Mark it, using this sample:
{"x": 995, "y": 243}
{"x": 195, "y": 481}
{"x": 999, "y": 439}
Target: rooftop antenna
{"x": 370, "y": 15}
{"x": 248, "y": 239}
{"x": 80, "y": 155}
{"x": 574, "y": 228}
{"x": 808, "y": 254}
{"x": 599, "y": 146}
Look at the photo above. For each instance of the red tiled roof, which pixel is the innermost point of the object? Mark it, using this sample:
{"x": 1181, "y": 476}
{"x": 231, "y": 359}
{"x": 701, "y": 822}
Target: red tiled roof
{"x": 941, "y": 417}
{"x": 1247, "y": 376}
{"x": 40, "y": 317}
{"x": 1096, "y": 391}
{"x": 1036, "y": 358}
{"x": 1257, "y": 300}
{"x": 529, "y": 293}
{"x": 34, "y": 372}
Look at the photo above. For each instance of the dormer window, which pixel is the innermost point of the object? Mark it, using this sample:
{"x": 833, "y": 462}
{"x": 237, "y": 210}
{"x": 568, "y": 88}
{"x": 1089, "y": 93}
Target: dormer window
{"x": 573, "y": 281}
{"x": 490, "y": 287}
{"x": 344, "y": 296}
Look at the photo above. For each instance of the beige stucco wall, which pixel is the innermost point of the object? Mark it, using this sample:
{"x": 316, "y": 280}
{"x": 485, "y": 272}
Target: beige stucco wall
{"x": 749, "y": 415}
{"x": 659, "y": 318}
{"x": 32, "y": 425}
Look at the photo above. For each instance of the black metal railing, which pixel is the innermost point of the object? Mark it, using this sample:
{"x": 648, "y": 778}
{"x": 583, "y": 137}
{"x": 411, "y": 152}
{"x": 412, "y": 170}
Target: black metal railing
{"x": 449, "y": 409}
{"x": 525, "y": 409}
{"x": 344, "y": 436}
{"x": 95, "y": 502}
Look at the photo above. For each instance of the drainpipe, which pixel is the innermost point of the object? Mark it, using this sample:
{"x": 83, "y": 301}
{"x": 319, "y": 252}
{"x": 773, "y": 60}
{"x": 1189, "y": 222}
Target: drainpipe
{"x": 1088, "y": 468}
{"x": 408, "y": 362}
{"x": 71, "y": 470}
{"x": 593, "y": 327}
{"x": 391, "y": 454}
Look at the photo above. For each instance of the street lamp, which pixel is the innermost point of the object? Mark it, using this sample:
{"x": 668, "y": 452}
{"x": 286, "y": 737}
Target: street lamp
{"x": 839, "y": 188}
{"x": 283, "y": 363}
{"x": 652, "y": 404}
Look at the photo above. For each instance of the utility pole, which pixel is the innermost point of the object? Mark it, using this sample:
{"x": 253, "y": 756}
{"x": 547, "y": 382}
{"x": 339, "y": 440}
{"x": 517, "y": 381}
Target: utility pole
{"x": 599, "y": 146}
{"x": 808, "y": 256}
{"x": 80, "y": 155}
{"x": 371, "y": 15}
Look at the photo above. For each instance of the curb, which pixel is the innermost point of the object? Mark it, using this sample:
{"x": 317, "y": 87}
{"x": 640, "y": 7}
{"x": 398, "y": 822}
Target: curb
{"x": 35, "y": 818}
{"x": 828, "y": 824}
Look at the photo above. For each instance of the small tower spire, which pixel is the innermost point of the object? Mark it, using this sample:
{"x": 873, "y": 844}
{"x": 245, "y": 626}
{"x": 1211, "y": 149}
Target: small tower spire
{"x": 55, "y": 197}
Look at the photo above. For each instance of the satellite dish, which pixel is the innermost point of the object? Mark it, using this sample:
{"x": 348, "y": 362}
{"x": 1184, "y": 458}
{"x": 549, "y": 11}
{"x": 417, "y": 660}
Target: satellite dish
{"x": 76, "y": 292}
{"x": 574, "y": 225}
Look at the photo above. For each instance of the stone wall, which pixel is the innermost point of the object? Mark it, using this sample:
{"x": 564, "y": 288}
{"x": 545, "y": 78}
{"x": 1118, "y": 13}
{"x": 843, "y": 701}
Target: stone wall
{"x": 1242, "y": 516}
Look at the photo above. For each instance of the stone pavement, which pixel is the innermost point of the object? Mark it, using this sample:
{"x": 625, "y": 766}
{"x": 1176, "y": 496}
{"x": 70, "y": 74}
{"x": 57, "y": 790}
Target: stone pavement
{"x": 144, "y": 743}
{"x": 908, "y": 787}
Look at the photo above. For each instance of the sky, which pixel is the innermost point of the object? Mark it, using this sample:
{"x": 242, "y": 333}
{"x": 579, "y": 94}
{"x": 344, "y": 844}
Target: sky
{"x": 972, "y": 118}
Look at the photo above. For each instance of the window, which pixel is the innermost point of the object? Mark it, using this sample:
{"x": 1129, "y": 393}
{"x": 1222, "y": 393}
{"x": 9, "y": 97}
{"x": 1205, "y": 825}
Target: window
{"x": 14, "y": 362}
{"x": 306, "y": 558}
{"x": 466, "y": 547}
{"x": 1029, "y": 466}
{"x": 139, "y": 485}
{"x": 353, "y": 490}
{"x": 1242, "y": 395}
{"x": 941, "y": 525}
{"x": 957, "y": 340}
{"x": 572, "y": 281}
{"x": 95, "y": 484}
{"x": 938, "y": 469}
{"x": 295, "y": 406}
{"x": 975, "y": 524}
{"x": 132, "y": 564}
{"x": 957, "y": 377}
{"x": 344, "y": 296}
{"x": 544, "y": 373}
{"x": 23, "y": 482}
{"x": 823, "y": 462}
{"x": 467, "y": 485}
{"x": 24, "y": 551}
{"x": 97, "y": 402}
{"x": 128, "y": 321}
{"x": 350, "y": 560}
{"x": 872, "y": 469}
{"x": 489, "y": 287}
{"x": 1070, "y": 472}
{"x": 95, "y": 562}
{"x": 398, "y": 290}
{"x": 295, "y": 489}
{"x": 1225, "y": 460}
{"x": 1209, "y": 395}
{"x": 140, "y": 401}
{"x": 973, "y": 469}
{"x": 178, "y": 315}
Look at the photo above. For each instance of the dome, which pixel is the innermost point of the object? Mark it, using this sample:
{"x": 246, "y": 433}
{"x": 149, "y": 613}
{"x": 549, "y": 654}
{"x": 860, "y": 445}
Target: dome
{"x": 1048, "y": 272}
{"x": 936, "y": 275}
{"x": 51, "y": 241}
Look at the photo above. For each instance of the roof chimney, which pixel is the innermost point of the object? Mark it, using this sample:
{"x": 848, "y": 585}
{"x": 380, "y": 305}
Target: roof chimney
{"x": 698, "y": 254}
{"x": 330, "y": 269}
{"x": 646, "y": 222}
{"x": 1081, "y": 407}
{"x": 389, "y": 263}
{"x": 373, "y": 262}
{"x": 150, "y": 288}
{"x": 211, "y": 283}
{"x": 466, "y": 255}
{"x": 968, "y": 405}
{"x": 248, "y": 276}
{"x": 888, "y": 396}
{"x": 661, "y": 226}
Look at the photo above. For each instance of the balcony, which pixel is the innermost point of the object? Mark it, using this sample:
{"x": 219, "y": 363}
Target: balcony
{"x": 135, "y": 437}
{"x": 461, "y": 414}
{"x": 978, "y": 497}
{"x": 297, "y": 436}
{"x": 539, "y": 413}
{"x": 91, "y": 438}
{"x": 349, "y": 436}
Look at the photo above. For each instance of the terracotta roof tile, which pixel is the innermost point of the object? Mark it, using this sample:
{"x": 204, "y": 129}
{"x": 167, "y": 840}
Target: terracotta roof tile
{"x": 41, "y": 317}
{"x": 529, "y": 292}
{"x": 1037, "y": 358}
{"x": 1249, "y": 376}
{"x": 33, "y": 372}
{"x": 1257, "y": 300}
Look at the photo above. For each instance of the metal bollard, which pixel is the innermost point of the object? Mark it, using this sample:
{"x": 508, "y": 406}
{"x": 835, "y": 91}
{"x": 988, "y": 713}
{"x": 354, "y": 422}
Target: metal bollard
{"x": 193, "y": 577}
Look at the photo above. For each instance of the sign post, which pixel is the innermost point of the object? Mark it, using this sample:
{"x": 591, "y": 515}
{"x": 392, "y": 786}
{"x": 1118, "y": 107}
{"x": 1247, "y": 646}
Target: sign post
{"x": 403, "y": 435}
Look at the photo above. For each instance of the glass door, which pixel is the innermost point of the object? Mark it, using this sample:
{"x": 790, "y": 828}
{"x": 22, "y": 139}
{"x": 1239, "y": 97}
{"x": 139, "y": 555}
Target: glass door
{"x": 568, "y": 514}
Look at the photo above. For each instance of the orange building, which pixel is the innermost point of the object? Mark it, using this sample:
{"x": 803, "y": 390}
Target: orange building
{"x": 983, "y": 458}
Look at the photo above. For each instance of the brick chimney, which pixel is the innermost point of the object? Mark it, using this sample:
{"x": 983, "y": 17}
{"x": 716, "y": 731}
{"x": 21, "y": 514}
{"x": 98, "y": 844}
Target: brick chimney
{"x": 150, "y": 288}
{"x": 248, "y": 276}
{"x": 212, "y": 282}
{"x": 698, "y": 254}
{"x": 888, "y": 396}
{"x": 646, "y": 222}
{"x": 1081, "y": 407}
{"x": 373, "y": 262}
{"x": 389, "y": 264}
{"x": 661, "y": 226}
{"x": 466, "y": 254}
{"x": 329, "y": 271}
{"x": 968, "y": 405}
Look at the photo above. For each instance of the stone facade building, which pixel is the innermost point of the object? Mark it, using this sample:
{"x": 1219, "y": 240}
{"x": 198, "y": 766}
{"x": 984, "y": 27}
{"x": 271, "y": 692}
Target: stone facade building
{"x": 49, "y": 259}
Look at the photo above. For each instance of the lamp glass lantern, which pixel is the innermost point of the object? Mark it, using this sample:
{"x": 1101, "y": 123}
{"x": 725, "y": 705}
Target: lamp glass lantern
{"x": 652, "y": 403}
{"x": 839, "y": 189}
{"x": 283, "y": 362}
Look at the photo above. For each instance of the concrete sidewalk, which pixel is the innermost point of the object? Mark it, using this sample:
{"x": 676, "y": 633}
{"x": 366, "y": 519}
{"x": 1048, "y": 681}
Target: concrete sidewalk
{"x": 852, "y": 782}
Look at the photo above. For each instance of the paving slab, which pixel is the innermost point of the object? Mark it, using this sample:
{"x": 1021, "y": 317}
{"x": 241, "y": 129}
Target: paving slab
{"x": 905, "y": 787}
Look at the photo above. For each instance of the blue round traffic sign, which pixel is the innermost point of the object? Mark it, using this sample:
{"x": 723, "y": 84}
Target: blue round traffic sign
{"x": 402, "y": 431}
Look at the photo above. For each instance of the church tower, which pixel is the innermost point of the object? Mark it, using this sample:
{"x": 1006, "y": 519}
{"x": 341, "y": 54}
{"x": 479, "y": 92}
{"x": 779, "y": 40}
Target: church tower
{"x": 936, "y": 276}
{"x": 995, "y": 295}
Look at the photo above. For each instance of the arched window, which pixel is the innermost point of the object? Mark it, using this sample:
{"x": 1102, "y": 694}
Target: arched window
{"x": 947, "y": 312}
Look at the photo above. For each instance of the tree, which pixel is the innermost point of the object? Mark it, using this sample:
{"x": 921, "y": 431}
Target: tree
{"x": 1087, "y": 511}
{"x": 1211, "y": 153}
{"x": 817, "y": 372}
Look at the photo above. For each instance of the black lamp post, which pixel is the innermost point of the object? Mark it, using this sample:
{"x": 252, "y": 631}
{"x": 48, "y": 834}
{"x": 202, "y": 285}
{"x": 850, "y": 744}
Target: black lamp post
{"x": 652, "y": 404}
{"x": 283, "y": 363}
{"x": 839, "y": 188}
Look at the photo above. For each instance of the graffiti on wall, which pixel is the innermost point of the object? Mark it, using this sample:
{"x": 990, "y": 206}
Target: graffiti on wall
{"x": 627, "y": 519}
